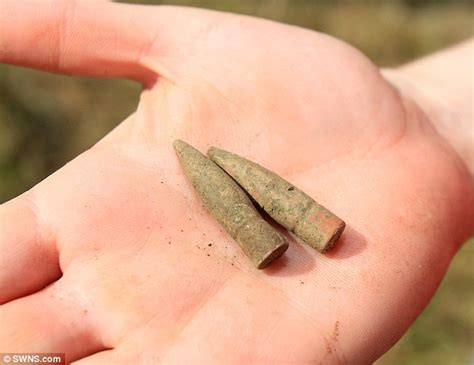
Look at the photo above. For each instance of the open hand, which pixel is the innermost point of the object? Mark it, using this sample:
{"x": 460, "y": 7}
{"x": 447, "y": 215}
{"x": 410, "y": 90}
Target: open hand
{"x": 113, "y": 259}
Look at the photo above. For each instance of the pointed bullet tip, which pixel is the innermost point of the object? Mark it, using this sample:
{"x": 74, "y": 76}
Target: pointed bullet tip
{"x": 177, "y": 143}
{"x": 212, "y": 151}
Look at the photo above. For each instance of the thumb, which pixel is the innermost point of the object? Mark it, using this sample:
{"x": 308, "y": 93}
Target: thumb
{"x": 100, "y": 39}
{"x": 29, "y": 260}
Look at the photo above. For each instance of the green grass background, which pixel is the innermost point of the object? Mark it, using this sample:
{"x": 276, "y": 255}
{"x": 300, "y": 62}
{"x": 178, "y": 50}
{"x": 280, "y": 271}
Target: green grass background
{"x": 46, "y": 120}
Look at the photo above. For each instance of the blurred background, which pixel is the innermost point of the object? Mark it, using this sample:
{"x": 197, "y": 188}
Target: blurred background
{"x": 46, "y": 120}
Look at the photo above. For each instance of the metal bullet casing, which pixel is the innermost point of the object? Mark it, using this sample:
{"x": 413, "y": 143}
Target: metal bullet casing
{"x": 286, "y": 204}
{"x": 230, "y": 205}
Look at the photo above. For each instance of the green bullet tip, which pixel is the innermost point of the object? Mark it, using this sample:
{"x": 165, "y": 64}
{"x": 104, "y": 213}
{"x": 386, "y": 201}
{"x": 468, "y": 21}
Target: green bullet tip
{"x": 179, "y": 144}
{"x": 214, "y": 152}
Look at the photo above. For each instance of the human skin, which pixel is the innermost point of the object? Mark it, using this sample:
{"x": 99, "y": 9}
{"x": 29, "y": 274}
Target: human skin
{"x": 100, "y": 260}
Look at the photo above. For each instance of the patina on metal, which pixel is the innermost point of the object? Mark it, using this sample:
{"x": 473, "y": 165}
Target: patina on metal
{"x": 231, "y": 206}
{"x": 286, "y": 204}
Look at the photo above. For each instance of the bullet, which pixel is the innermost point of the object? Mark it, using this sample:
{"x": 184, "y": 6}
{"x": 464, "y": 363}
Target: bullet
{"x": 231, "y": 206}
{"x": 286, "y": 204}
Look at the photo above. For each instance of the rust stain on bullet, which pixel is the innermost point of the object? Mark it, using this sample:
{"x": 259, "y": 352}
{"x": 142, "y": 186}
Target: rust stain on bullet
{"x": 286, "y": 204}
{"x": 230, "y": 205}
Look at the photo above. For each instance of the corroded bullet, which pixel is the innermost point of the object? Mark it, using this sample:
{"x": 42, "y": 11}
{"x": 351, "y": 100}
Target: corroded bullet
{"x": 230, "y": 205}
{"x": 289, "y": 206}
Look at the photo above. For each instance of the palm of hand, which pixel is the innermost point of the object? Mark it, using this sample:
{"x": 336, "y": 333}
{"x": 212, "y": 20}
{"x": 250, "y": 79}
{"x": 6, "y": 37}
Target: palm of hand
{"x": 150, "y": 275}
